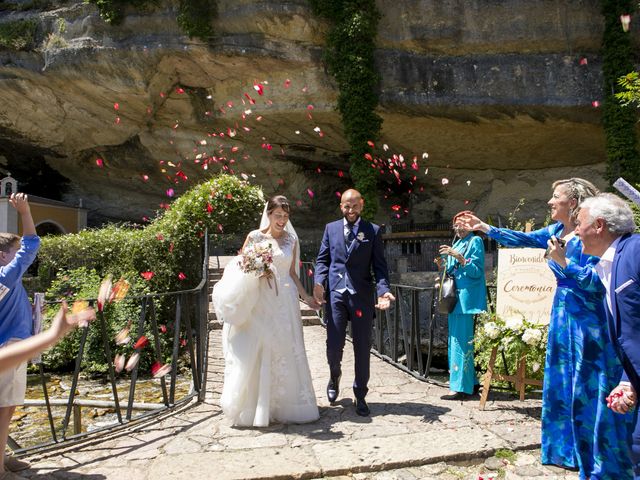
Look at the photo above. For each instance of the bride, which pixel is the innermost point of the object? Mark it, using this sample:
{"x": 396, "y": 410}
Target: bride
{"x": 266, "y": 375}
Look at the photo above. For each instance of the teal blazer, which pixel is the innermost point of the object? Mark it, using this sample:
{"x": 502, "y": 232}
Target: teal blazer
{"x": 470, "y": 280}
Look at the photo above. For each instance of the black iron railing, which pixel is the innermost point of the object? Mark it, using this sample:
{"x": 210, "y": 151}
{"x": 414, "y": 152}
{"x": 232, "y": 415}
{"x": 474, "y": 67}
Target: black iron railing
{"x": 187, "y": 311}
{"x": 404, "y": 334}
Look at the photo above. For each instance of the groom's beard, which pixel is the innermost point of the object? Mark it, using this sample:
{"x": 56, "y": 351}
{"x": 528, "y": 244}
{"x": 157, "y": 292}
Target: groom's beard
{"x": 355, "y": 218}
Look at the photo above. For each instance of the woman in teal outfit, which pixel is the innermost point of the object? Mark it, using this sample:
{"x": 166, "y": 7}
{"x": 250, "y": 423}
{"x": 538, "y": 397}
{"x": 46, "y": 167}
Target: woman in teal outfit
{"x": 465, "y": 261}
{"x": 578, "y": 430}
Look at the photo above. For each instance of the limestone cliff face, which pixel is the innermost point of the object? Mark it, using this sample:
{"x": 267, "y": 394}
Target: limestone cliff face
{"x": 493, "y": 91}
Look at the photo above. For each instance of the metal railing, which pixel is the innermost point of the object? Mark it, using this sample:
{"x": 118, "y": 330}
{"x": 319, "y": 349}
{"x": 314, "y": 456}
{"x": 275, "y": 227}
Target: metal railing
{"x": 187, "y": 310}
{"x": 404, "y": 335}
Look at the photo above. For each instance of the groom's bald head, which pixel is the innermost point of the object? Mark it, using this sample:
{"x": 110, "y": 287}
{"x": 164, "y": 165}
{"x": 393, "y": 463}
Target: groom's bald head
{"x": 351, "y": 204}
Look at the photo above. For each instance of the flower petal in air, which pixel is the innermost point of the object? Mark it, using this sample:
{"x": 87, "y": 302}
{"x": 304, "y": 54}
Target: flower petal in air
{"x": 118, "y": 362}
{"x": 119, "y": 290}
{"x": 625, "y": 20}
{"x": 133, "y": 361}
{"x": 147, "y": 275}
{"x": 142, "y": 342}
{"x": 104, "y": 292}
{"x": 159, "y": 370}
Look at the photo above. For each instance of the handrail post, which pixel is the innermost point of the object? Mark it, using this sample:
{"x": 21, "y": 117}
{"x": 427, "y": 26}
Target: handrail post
{"x": 77, "y": 419}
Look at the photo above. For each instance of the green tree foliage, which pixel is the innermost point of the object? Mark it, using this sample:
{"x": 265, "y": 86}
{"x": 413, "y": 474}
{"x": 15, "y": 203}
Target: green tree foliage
{"x": 18, "y": 35}
{"x": 73, "y": 266}
{"x": 619, "y": 121}
{"x": 168, "y": 246}
{"x": 350, "y": 59}
{"x": 194, "y": 16}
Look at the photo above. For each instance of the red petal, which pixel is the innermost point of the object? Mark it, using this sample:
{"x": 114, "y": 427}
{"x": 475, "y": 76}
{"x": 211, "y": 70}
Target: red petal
{"x": 141, "y": 343}
{"x": 116, "y": 106}
{"x": 182, "y": 276}
{"x": 99, "y": 162}
{"x": 147, "y": 275}
{"x": 358, "y": 313}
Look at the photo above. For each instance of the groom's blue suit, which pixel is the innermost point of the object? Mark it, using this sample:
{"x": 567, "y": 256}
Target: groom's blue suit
{"x": 624, "y": 321}
{"x": 344, "y": 269}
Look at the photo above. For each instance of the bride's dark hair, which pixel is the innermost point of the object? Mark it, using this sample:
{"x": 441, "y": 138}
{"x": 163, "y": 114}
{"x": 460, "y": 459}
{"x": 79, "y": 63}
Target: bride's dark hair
{"x": 279, "y": 201}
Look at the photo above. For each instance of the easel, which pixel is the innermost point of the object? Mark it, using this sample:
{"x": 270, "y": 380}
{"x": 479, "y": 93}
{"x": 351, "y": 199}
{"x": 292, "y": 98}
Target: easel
{"x": 519, "y": 379}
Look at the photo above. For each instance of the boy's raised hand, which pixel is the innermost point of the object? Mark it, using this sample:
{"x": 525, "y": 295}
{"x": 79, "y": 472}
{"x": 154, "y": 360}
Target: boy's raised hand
{"x": 20, "y": 202}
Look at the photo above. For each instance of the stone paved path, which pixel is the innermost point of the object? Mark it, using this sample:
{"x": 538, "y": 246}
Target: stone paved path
{"x": 411, "y": 433}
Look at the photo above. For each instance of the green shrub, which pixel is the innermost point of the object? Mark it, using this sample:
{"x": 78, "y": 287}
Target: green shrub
{"x": 75, "y": 264}
{"x": 83, "y": 283}
{"x": 195, "y": 17}
{"x": 170, "y": 245}
{"x": 18, "y": 35}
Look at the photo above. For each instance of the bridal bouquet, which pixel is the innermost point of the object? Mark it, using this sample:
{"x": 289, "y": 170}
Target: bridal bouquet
{"x": 257, "y": 258}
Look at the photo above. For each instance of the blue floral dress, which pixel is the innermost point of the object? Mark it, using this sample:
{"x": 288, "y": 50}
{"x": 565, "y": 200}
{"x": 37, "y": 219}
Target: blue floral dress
{"x": 581, "y": 368}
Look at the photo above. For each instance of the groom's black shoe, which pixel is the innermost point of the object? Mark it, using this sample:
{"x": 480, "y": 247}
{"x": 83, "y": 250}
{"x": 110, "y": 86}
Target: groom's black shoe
{"x": 362, "y": 408}
{"x": 333, "y": 389}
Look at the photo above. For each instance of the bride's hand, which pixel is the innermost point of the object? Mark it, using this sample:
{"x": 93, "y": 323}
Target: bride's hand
{"x": 313, "y": 304}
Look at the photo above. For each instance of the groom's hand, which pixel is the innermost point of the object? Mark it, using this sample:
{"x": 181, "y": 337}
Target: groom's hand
{"x": 318, "y": 294}
{"x": 384, "y": 302}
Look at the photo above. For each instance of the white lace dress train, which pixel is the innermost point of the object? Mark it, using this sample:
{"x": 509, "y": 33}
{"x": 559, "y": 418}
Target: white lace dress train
{"x": 266, "y": 377}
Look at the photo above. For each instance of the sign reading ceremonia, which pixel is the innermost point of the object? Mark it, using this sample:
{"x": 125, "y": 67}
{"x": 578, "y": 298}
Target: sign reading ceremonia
{"x": 525, "y": 286}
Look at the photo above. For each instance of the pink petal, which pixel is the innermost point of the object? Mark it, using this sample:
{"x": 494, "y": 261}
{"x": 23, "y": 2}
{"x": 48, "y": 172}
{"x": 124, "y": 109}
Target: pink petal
{"x": 147, "y": 275}
{"x": 116, "y": 106}
{"x": 159, "y": 370}
{"x": 99, "y": 162}
{"x": 118, "y": 362}
{"x": 310, "y": 192}
{"x": 133, "y": 361}
{"x": 181, "y": 276}
{"x": 104, "y": 292}
{"x": 625, "y": 20}
{"x": 170, "y": 192}
{"x": 595, "y": 104}
{"x": 583, "y": 61}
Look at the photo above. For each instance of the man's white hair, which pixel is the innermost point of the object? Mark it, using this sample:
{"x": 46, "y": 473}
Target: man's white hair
{"x": 613, "y": 210}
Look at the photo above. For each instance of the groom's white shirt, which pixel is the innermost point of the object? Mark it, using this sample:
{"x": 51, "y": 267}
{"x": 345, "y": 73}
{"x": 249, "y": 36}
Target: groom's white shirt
{"x": 345, "y": 232}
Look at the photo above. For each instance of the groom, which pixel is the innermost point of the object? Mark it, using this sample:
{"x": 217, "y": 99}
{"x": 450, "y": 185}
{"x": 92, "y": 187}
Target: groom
{"x": 351, "y": 248}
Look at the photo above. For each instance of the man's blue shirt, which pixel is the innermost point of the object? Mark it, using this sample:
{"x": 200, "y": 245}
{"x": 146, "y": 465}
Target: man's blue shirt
{"x": 15, "y": 308}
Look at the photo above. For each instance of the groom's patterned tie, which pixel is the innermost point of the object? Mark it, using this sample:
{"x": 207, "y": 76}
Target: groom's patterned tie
{"x": 349, "y": 237}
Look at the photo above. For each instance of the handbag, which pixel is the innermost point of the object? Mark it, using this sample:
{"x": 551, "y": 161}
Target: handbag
{"x": 448, "y": 295}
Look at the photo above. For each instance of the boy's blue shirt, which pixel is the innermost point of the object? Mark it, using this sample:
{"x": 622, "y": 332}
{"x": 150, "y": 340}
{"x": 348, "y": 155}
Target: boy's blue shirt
{"x": 15, "y": 308}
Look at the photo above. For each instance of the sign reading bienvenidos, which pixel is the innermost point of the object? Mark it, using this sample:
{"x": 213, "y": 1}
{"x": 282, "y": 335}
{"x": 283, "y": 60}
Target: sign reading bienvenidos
{"x": 525, "y": 285}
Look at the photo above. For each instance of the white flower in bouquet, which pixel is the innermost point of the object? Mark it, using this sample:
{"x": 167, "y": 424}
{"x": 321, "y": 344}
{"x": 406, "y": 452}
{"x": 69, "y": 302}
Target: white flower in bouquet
{"x": 531, "y": 336}
{"x": 535, "y": 366}
{"x": 491, "y": 330}
{"x": 513, "y": 323}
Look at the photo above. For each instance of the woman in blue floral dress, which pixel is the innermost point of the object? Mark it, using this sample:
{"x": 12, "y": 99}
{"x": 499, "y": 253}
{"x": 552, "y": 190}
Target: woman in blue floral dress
{"x": 581, "y": 367}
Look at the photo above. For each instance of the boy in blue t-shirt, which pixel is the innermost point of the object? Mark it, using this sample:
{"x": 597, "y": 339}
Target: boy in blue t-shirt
{"x": 16, "y": 254}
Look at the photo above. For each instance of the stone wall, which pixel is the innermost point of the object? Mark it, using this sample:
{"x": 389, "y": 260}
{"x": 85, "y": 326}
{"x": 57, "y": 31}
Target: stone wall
{"x": 493, "y": 91}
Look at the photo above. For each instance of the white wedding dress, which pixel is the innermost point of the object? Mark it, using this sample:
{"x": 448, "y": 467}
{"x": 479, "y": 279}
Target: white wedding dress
{"x": 266, "y": 375}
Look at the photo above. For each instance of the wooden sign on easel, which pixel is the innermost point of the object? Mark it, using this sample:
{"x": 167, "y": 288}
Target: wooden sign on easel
{"x": 525, "y": 288}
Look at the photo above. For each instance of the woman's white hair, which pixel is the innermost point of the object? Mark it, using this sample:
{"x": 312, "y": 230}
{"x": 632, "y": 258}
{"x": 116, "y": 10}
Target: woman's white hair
{"x": 613, "y": 210}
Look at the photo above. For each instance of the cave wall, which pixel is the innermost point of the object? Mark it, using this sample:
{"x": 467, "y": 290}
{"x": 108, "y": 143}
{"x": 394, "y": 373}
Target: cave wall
{"x": 493, "y": 91}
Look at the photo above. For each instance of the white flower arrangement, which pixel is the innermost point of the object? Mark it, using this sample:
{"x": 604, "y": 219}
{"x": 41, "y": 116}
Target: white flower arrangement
{"x": 514, "y": 338}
